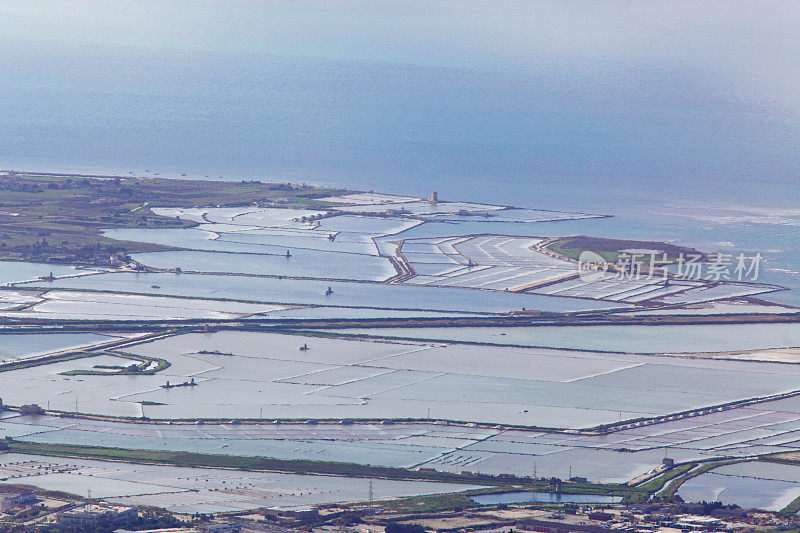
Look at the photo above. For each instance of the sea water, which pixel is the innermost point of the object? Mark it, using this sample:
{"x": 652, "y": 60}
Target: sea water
{"x": 643, "y": 111}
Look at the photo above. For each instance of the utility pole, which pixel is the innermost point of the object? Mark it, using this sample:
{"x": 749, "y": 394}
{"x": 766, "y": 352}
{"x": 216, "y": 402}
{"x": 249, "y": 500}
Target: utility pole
{"x": 371, "y": 494}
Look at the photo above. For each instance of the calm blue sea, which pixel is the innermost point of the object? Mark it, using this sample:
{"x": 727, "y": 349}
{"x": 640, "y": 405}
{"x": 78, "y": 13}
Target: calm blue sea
{"x": 681, "y": 120}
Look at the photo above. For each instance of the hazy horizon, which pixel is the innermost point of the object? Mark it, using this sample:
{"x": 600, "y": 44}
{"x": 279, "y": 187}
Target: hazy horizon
{"x": 664, "y": 98}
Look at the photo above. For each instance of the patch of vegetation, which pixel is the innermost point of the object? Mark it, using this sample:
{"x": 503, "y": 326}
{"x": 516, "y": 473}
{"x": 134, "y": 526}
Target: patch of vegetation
{"x": 148, "y": 520}
{"x": 59, "y": 218}
{"x": 433, "y": 503}
{"x": 404, "y": 528}
{"x": 214, "y": 352}
{"x": 610, "y": 249}
{"x": 785, "y": 458}
{"x": 147, "y": 366}
{"x": 792, "y": 508}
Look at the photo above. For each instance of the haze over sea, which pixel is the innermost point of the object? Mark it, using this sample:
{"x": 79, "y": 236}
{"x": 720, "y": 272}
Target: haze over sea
{"x": 680, "y": 118}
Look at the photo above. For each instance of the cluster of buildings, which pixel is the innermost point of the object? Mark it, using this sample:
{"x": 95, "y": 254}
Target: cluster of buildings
{"x": 22, "y": 510}
{"x": 11, "y": 498}
{"x": 21, "y": 506}
{"x": 211, "y": 527}
{"x": 96, "y": 515}
{"x": 646, "y": 518}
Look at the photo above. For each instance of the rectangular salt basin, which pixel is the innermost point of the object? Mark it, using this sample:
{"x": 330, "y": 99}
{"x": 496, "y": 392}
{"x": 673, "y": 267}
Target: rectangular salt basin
{"x": 373, "y": 453}
{"x": 302, "y": 263}
{"x": 356, "y": 313}
{"x": 274, "y": 346}
{"x": 11, "y": 299}
{"x": 245, "y": 240}
{"x": 267, "y": 240}
{"x": 507, "y": 363}
{"x": 346, "y": 378}
{"x": 371, "y": 226}
{"x": 605, "y": 466}
{"x": 189, "y": 490}
{"x": 20, "y": 346}
{"x": 312, "y": 292}
{"x": 444, "y": 447}
{"x": 13, "y": 271}
{"x": 762, "y": 470}
{"x": 273, "y": 217}
{"x": 746, "y": 492}
{"x": 635, "y": 339}
{"x": 78, "y": 305}
{"x": 98, "y": 487}
{"x": 533, "y": 395}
